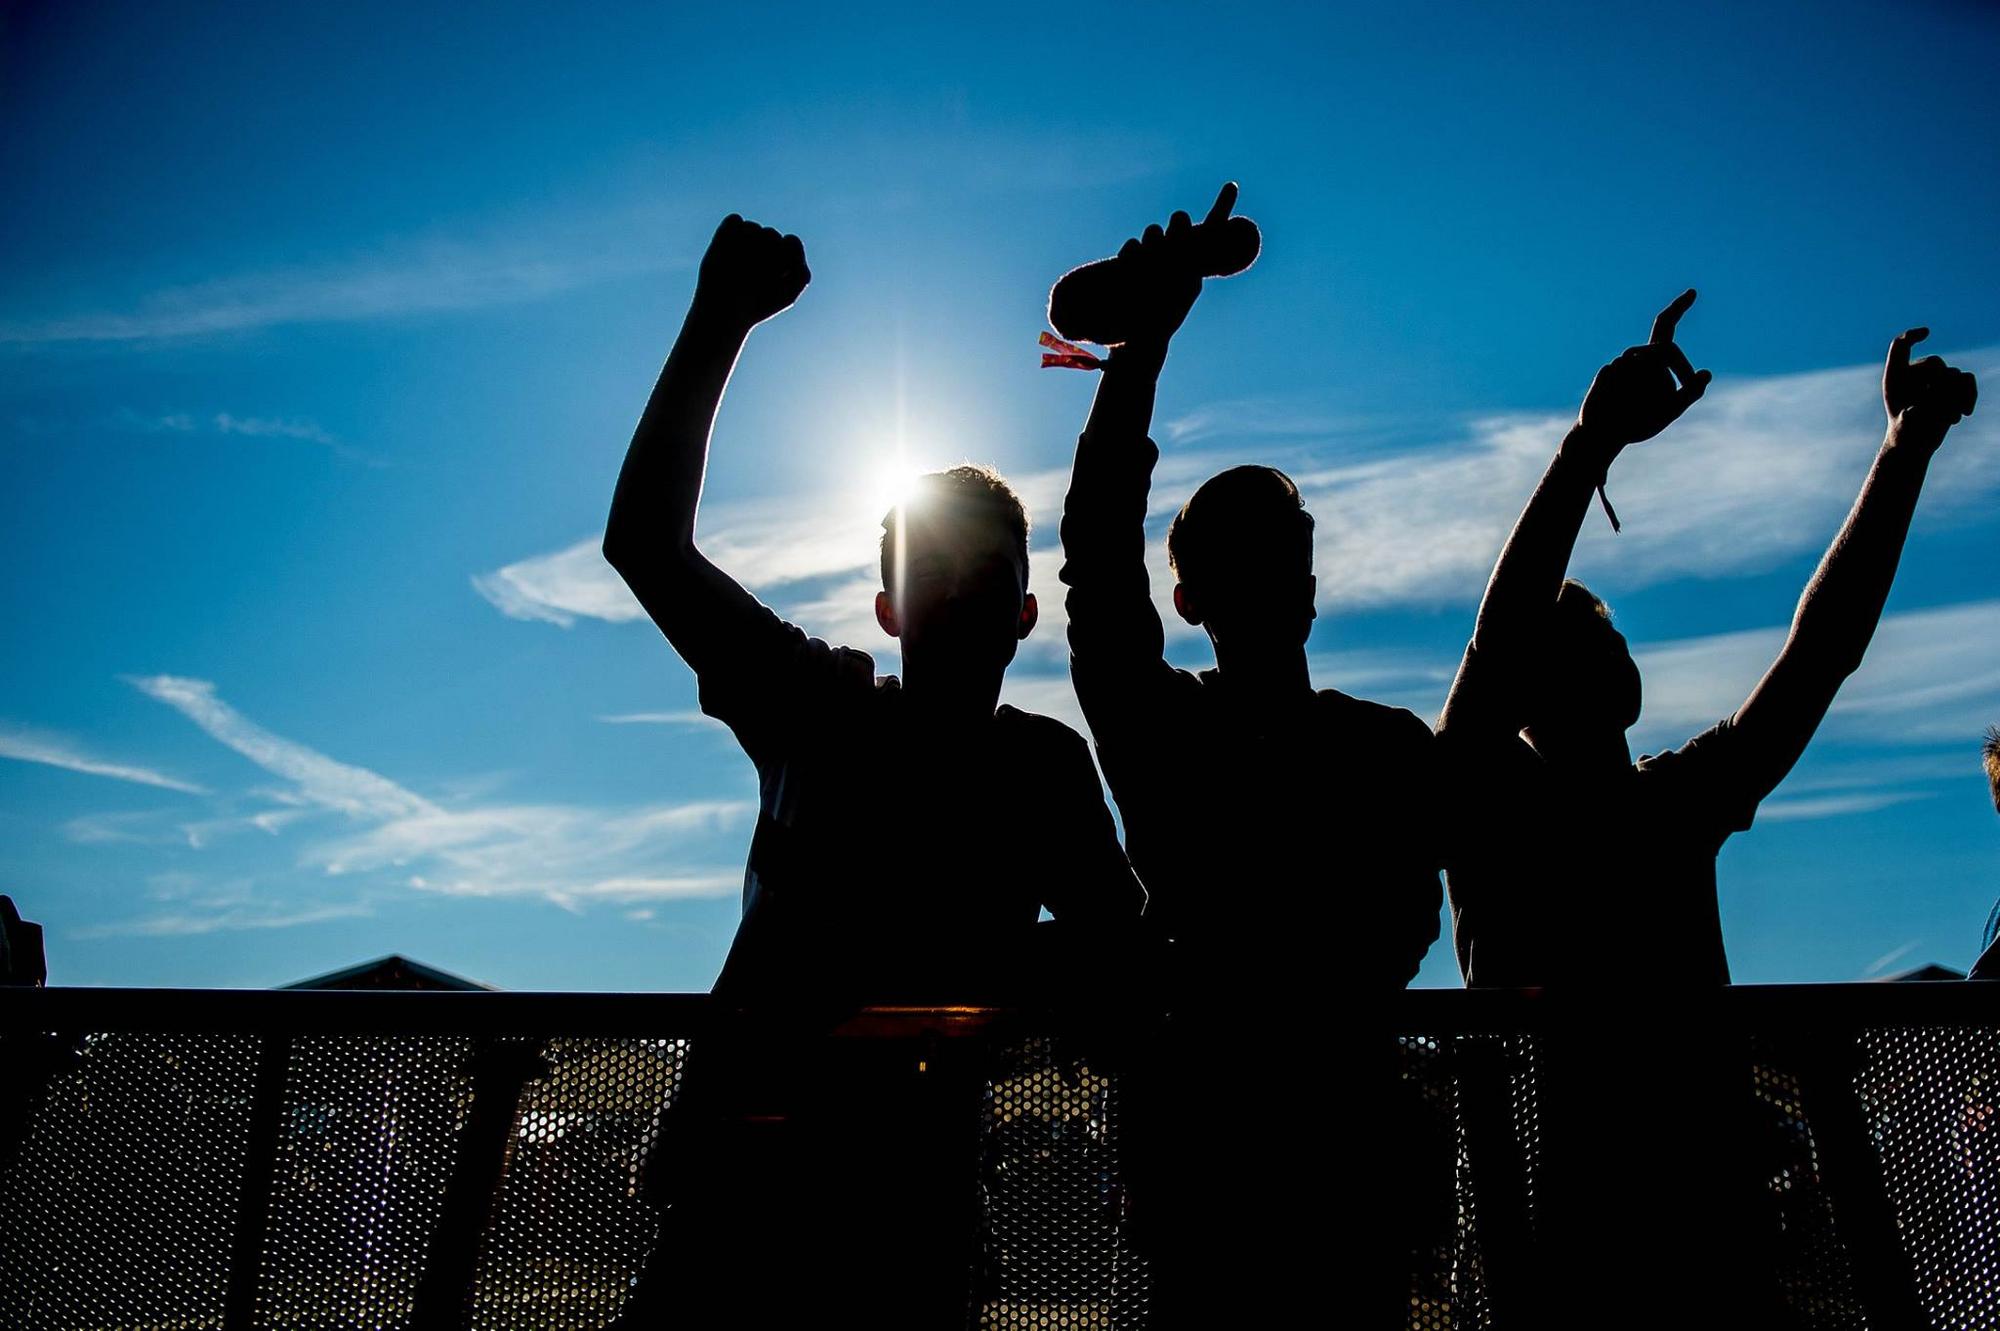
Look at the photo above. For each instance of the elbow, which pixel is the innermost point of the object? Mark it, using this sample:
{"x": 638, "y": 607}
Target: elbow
{"x": 635, "y": 560}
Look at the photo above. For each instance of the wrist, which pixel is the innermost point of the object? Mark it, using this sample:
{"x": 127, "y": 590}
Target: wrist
{"x": 1139, "y": 356}
{"x": 1588, "y": 451}
{"x": 1911, "y": 433}
{"x": 717, "y": 318}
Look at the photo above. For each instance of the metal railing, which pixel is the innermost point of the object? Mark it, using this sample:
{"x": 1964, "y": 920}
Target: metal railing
{"x": 242, "y": 1159}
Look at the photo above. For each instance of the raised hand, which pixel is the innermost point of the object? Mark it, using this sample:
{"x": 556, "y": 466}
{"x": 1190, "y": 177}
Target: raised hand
{"x": 1636, "y": 396}
{"x": 1143, "y": 294}
{"x": 750, "y": 272}
{"x": 1926, "y": 398}
{"x": 1166, "y": 267}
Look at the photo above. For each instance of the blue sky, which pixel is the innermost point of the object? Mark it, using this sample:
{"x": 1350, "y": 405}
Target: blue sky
{"x": 322, "y": 334}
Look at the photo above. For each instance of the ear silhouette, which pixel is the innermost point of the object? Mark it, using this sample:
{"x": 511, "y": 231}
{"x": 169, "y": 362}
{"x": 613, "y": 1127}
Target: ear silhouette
{"x": 885, "y": 615}
{"x": 1031, "y": 614}
{"x": 1184, "y": 605}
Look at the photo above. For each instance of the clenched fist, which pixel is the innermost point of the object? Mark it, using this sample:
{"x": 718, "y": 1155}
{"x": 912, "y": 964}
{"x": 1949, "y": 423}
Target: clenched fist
{"x": 1926, "y": 398}
{"x": 750, "y": 272}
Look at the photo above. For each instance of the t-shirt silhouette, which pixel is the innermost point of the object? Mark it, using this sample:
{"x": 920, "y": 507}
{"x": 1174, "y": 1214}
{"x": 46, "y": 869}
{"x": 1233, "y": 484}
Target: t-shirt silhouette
{"x": 1559, "y": 879}
{"x": 1283, "y": 852}
{"x": 893, "y": 859}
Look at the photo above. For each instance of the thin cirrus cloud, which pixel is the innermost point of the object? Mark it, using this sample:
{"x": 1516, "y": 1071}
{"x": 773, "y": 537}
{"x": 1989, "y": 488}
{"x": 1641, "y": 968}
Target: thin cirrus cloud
{"x": 186, "y": 923}
{"x": 55, "y": 752}
{"x": 567, "y": 854}
{"x": 685, "y": 717}
{"x": 563, "y": 248}
{"x": 1759, "y": 471}
{"x": 223, "y": 422}
{"x": 1929, "y": 678}
{"x": 1756, "y": 472}
{"x": 434, "y": 278}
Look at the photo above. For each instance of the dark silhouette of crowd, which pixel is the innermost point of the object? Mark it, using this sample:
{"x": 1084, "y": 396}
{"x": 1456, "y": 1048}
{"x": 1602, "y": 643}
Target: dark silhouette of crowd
{"x": 1286, "y": 850}
{"x": 1283, "y": 843}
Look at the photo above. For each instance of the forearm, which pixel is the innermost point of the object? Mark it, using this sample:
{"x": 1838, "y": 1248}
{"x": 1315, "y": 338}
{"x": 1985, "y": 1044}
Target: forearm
{"x": 1123, "y": 406}
{"x": 659, "y": 488}
{"x": 1842, "y": 603}
{"x": 1536, "y": 558}
{"x": 1104, "y": 516}
{"x": 1522, "y": 591}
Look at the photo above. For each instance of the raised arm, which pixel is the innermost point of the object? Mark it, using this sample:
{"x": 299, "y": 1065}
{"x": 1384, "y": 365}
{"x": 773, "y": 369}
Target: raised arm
{"x": 1632, "y": 399}
{"x": 1115, "y": 635}
{"x": 749, "y": 273}
{"x": 1837, "y": 614}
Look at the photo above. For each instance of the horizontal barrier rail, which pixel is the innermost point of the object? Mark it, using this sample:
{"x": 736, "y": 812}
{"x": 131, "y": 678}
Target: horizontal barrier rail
{"x": 1820, "y": 1156}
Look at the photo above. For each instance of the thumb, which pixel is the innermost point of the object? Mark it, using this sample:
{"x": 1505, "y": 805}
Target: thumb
{"x": 1899, "y": 350}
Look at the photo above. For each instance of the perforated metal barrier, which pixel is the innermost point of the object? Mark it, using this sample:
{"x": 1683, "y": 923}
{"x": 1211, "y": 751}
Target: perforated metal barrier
{"x": 1831, "y": 1155}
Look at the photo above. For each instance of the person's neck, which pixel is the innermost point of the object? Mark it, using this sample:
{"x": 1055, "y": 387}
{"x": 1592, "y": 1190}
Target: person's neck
{"x": 1263, "y": 674}
{"x": 1581, "y": 750}
{"x": 952, "y": 698}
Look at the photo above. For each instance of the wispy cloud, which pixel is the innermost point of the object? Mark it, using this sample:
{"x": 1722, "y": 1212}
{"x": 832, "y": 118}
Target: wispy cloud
{"x": 1780, "y": 809}
{"x": 190, "y": 922}
{"x": 1892, "y": 956}
{"x": 426, "y": 279}
{"x": 563, "y": 853}
{"x": 1254, "y": 418}
{"x": 223, "y": 422}
{"x": 1929, "y": 677}
{"x": 260, "y": 427}
{"x": 688, "y": 717}
{"x": 1760, "y": 471}
{"x": 561, "y": 587}
{"x": 568, "y": 854}
{"x": 55, "y": 752}
{"x": 323, "y": 781}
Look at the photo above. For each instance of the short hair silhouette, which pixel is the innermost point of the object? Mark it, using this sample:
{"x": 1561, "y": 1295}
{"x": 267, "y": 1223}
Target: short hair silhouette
{"x": 967, "y": 493}
{"x": 1589, "y": 675}
{"x": 1246, "y": 519}
{"x": 1990, "y": 751}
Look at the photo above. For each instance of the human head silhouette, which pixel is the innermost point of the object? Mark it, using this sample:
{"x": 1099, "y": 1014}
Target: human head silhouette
{"x": 955, "y": 572}
{"x": 1242, "y": 552}
{"x": 1587, "y": 688}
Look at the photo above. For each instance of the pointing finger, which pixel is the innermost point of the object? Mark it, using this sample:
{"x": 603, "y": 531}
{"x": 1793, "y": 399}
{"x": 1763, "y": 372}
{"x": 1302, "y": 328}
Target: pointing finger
{"x": 1670, "y": 317}
{"x": 1225, "y": 200}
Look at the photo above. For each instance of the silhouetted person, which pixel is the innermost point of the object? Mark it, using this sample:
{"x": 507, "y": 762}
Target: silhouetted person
{"x": 27, "y": 1059}
{"x": 1988, "y": 965}
{"x": 1271, "y": 823}
{"x": 908, "y": 830}
{"x": 22, "y": 960}
{"x": 1574, "y": 864}
{"x": 908, "y": 834}
{"x": 1284, "y": 835}
{"x": 1575, "y": 868}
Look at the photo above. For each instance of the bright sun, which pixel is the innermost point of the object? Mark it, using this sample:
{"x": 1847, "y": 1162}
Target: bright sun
{"x": 889, "y": 484}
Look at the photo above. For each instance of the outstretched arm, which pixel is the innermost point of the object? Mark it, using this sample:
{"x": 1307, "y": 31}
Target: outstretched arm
{"x": 1841, "y": 605}
{"x": 1632, "y": 399}
{"x": 1114, "y": 630}
{"x": 749, "y": 273}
